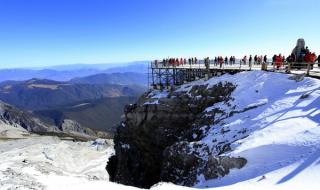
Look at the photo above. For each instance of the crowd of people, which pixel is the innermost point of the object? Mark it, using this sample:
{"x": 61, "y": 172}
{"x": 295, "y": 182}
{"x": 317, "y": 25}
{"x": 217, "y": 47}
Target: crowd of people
{"x": 277, "y": 60}
{"x": 178, "y": 62}
{"x": 305, "y": 56}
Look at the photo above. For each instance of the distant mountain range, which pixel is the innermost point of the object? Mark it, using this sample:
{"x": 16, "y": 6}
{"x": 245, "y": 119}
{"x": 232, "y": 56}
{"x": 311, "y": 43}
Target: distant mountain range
{"x": 67, "y": 72}
{"x": 103, "y": 114}
{"x": 94, "y": 102}
{"x": 126, "y": 67}
{"x": 38, "y": 94}
{"x": 75, "y": 97}
{"x": 128, "y": 78}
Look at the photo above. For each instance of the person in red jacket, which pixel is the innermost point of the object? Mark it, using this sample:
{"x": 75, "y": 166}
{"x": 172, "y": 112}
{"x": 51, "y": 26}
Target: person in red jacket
{"x": 310, "y": 58}
{"x": 278, "y": 61}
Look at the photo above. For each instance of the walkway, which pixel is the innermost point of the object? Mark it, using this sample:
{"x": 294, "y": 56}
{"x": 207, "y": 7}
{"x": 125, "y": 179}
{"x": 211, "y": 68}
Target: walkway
{"x": 164, "y": 75}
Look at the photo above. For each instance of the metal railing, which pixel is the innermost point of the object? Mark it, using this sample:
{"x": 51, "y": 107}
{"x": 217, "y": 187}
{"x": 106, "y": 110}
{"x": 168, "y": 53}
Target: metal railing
{"x": 312, "y": 69}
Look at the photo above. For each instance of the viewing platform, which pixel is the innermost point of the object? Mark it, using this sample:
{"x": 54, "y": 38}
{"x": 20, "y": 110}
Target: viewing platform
{"x": 163, "y": 75}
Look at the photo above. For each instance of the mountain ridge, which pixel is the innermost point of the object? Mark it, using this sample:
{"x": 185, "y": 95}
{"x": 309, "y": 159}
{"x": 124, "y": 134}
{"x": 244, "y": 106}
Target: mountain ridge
{"x": 68, "y": 72}
{"x": 35, "y": 94}
{"x": 15, "y": 123}
{"x": 244, "y": 131}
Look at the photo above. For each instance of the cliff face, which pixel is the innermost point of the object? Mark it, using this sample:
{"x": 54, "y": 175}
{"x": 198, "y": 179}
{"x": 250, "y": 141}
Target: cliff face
{"x": 16, "y": 118}
{"x": 13, "y": 116}
{"x": 155, "y": 142}
{"x": 200, "y": 134}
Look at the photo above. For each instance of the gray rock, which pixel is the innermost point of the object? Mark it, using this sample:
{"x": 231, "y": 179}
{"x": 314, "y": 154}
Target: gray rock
{"x": 153, "y": 142}
{"x": 298, "y": 77}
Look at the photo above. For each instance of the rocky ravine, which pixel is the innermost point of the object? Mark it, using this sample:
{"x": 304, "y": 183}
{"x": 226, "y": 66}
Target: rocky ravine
{"x": 157, "y": 140}
{"x": 16, "y": 118}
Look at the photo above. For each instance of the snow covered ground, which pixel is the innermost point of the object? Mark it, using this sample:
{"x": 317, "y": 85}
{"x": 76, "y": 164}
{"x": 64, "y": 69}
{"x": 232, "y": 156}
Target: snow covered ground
{"x": 281, "y": 143}
{"x": 50, "y": 163}
{"x": 9, "y": 131}
{"x": 282, "y": 134}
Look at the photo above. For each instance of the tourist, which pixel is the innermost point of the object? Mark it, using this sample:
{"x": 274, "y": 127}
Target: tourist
{"x": 226, "y": 60}
{"x": 265, "y": 59}
{"x": 310, "y": 58}
{"x": 215, "y": 62}
{"x": 207, "y": 62}
{"x": 278, "y": 61}
{"x": 244, "y": 60}
{"x": 250, "y": 61}
{"x": 231, "y": 60}
{"x": 259, "y": 59}
{"x": 319, "y": 61}
{"x": 220, "y": 59}
{"x": 156, "y": 63}
{"x": 274, "y": 59}
{"x": 255, "y": 60}
{"x": 307, "y": 50}
{"x": 289, "y": 59}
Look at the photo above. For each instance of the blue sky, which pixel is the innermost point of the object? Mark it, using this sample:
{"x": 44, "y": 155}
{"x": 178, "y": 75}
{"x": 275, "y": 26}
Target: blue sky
{"x": 53, "y": 32}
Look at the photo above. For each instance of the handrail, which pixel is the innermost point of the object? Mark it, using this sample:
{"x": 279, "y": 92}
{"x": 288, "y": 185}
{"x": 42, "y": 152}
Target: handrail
{"x": 310, "y": 68}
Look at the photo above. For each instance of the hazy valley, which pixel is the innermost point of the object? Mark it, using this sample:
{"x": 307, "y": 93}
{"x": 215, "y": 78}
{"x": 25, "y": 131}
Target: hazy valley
{"x": 94, "y": 102}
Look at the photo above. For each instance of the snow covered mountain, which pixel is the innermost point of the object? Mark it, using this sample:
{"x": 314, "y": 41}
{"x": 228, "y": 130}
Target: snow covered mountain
{"x": 282, "y": 124}
{"x": 252, "y": 129}
{"x": 263, "y": 133}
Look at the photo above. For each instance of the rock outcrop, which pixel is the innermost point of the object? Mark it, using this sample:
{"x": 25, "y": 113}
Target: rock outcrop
{"x": 74, "y": 128}
{"x": 13, "y": 116}
{"x": 68, "y": 128}
{"x": 158, "y": 139}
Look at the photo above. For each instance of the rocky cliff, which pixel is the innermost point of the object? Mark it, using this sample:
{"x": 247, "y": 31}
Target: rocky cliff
{"x": 11, "y": 116}
{"x": 232, "y": 129}
{"x": 159, "y": 139}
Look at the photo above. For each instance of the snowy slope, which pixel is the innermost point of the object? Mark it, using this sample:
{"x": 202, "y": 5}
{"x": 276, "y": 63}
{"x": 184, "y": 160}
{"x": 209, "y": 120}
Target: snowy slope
{"x": 273, "y": 122}
{"x": 9, "y": 131}
{"x": 49, "y": 163}
{"x": 281, "y": 138}
{"x": 275, "y": 125}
